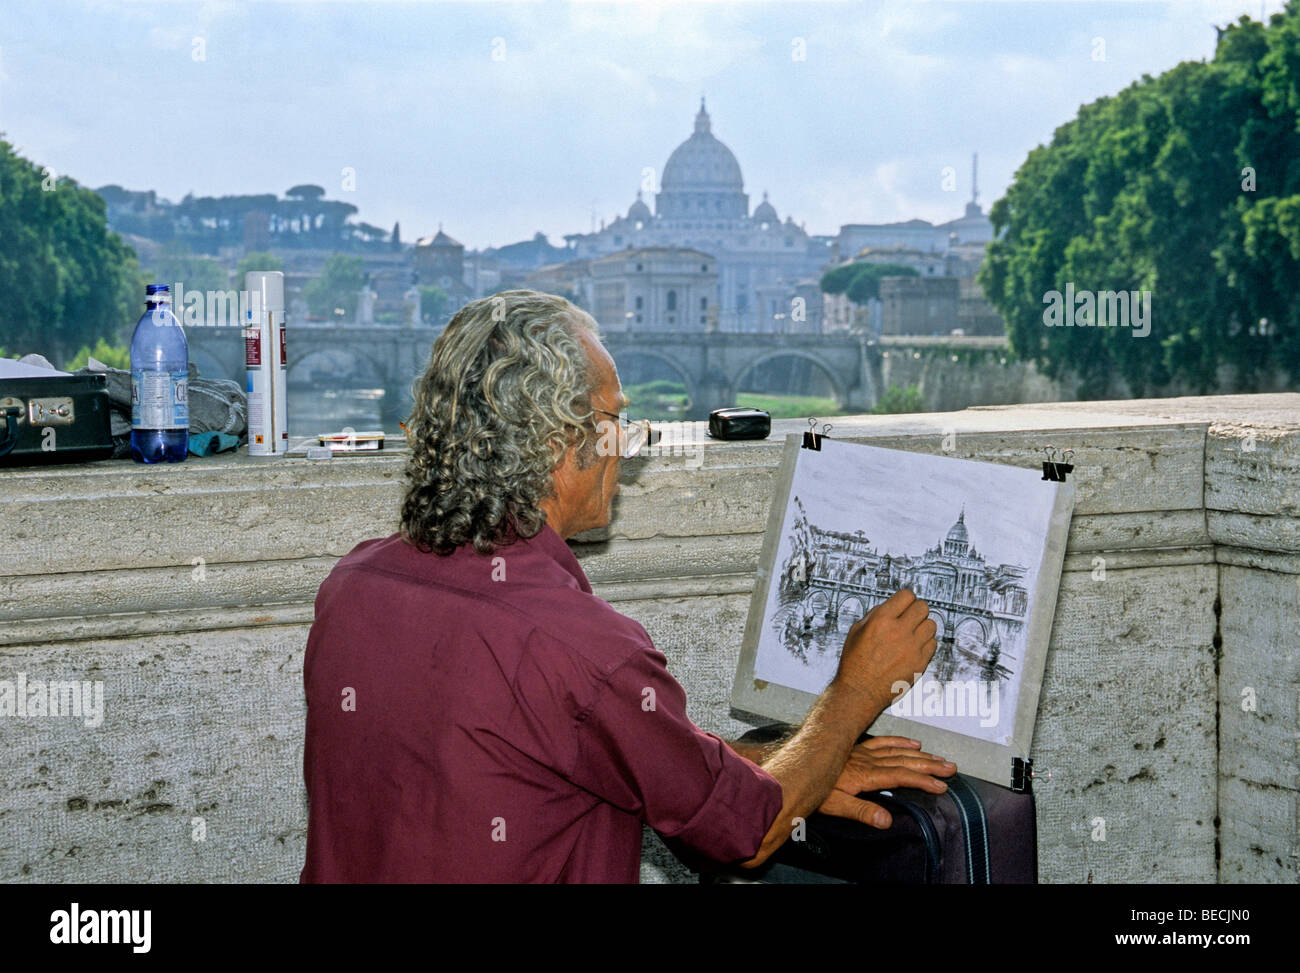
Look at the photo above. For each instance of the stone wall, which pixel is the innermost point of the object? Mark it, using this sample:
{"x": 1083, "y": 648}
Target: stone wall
{"x": 187, "y": 590}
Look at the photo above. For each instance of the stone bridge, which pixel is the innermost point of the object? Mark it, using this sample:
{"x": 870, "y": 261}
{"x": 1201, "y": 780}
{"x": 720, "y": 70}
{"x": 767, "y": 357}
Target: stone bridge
{"x": 711, "y": 365}
{"x": 840, "y": 599}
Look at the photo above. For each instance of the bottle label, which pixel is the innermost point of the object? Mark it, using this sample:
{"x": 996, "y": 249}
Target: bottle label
{"x": 160, "y": 400}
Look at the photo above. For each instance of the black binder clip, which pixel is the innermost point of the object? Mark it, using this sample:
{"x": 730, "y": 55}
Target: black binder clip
{"x": 812, "y": 439}
{"x": 1022, "y": 774}
{"x": 1052, "y": 470}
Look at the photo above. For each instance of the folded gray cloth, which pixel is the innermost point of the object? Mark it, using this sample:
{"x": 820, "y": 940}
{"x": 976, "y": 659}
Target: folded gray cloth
{"x": 216, "y": 405}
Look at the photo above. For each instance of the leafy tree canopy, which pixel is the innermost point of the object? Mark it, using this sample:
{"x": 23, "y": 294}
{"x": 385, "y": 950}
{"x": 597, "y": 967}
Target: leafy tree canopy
{"x": 1186, "y": 185}
{"x": 256, "y": 260}
{"x": 860, "y": 281}
{"x": 336, "y": 288}
{"x": 66, "y": 278}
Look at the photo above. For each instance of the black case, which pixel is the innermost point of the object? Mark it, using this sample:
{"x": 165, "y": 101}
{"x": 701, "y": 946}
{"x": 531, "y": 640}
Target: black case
{"x": 74, "y": 406}
{"x": 976, "y": 833}
{"x": 739, "y": 423}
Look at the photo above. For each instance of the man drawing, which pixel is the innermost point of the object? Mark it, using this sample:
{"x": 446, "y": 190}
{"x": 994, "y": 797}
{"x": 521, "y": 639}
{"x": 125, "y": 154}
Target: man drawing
{"x": 476, "y": 714}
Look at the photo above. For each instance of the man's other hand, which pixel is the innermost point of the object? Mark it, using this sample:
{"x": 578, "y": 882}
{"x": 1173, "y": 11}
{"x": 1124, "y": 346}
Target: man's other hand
{"x": 879, "y": 764}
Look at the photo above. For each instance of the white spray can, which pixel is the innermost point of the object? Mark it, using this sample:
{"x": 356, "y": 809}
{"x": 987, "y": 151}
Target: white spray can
{"x": 267, "y": 364}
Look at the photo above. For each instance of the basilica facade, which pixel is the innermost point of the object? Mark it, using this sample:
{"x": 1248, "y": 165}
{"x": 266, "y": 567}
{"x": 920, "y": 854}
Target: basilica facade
{"x": 759, "y": 258}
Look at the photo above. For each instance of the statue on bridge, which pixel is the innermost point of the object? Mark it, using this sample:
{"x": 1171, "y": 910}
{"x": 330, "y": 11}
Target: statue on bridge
{"x": 366, "y": 304}
{"x": 411, "y": 314}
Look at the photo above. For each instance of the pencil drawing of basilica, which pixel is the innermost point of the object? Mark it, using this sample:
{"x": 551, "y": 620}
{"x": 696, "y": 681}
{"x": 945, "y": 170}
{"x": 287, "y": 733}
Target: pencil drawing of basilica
{"x": 830, "y": 579}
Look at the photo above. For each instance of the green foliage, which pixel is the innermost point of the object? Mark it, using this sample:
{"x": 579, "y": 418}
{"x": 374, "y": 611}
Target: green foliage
{"x": 116, "y": 356}
{"x": 837, "y": 280}
{"x": 66, "y": 278}
{"x": 433, "y": 302}
{"x": 1148, "y": 190}
{"x": 178, "y": 266}
{"x": 256, "y": 260}
{"x": 662, "y": 386}
{"x": 660, "y": 399}
{"x": 860, "y": 282}
{"x": 900, "y": 399}
{"x": 336, "y": 288}
{"x": 865, "y": 286}
{"x": 790, "y": 406}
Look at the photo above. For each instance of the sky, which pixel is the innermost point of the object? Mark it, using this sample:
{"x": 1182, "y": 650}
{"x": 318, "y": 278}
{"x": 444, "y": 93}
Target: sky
{"x": 498, "y": 120}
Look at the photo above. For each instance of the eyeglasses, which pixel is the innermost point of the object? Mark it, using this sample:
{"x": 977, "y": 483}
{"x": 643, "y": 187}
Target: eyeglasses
{"x": 636, "y": 433}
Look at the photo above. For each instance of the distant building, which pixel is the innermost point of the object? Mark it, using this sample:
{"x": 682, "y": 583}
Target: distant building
{"x": 919, "y": 305}
{"x": 921, "y": 235}
{"x": 527, "y": 255}
{"x": 257, "y": 231}
{"x": 840, "y": 315}
{"x": 975, "y": 315}
{"x": 569, "y": 280}
{"x": 701, "y": 204}
{"x": 654, "y": 289}
{"x": 440, "y": 262}
{"x": 810, "y": 302}
{"x": 482, "y": 274}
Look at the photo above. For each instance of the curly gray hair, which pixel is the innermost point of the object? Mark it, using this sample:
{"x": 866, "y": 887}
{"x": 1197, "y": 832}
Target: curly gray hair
{"x": 507, "y": 390}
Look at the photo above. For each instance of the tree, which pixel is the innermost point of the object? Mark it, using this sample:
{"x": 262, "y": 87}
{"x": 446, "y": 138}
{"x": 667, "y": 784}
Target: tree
{"x": 256, "y": 260}
{"x": 336, "y": 288}
{"x": 433, "y": 302}
{"x": 66, "y": 278}
{"x": 115, "y": 356}
{"x": 178, "y": 266}
{"x": 395, "y": 240}
{"x": 837, "y": 280}
{"x": 306, "y": 191}
{"x": 900, "y": 399}
{"x": 860, "y": 281}
{"x": 1186, "y": 186}
{"x": 865, "y": 286}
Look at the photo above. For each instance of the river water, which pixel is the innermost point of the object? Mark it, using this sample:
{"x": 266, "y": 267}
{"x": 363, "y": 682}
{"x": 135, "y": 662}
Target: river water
{"x": 314, "y": 410}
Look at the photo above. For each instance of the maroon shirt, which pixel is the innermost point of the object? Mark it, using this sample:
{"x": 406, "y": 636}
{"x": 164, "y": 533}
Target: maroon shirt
{"x": 480, "y": 718}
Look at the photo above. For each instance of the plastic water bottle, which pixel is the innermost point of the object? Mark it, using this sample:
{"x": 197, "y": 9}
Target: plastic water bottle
{"x": 160, "y": 406}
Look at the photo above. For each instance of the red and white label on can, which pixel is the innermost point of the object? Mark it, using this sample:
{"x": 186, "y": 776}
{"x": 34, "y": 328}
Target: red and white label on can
{"x": 253, "y": 347}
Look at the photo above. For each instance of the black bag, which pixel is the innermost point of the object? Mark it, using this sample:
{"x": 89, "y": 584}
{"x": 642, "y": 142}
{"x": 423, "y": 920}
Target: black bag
{"x": 74, "y": 408}
{"x": 974, "y": 833}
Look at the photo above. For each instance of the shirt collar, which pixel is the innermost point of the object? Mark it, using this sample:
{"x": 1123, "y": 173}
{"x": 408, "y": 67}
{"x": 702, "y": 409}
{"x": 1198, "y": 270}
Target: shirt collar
{"x": 553, "y": 546}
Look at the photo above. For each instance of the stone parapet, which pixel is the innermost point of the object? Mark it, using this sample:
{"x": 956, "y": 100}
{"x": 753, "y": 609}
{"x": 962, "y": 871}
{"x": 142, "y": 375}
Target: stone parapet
{"x": 1167, "y": 722}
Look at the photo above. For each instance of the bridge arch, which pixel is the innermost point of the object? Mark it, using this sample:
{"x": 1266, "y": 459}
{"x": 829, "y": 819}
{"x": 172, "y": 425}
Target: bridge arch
{"x": 352, "y": 352}
{"x": 837, "y": 383}
{"x": 966, "y": 623}
{"x": 627, "y": 355}
{"x": 211, "y": 365}
{"x": 852, "y": 607}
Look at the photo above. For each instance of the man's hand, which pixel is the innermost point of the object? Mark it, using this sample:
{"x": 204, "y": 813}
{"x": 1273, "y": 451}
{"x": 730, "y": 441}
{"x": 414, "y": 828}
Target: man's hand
{"x": 879, "y": 764}
{"x": 891, "y": 645}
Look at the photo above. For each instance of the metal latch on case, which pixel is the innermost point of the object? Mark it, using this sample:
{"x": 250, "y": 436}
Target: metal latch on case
{"x": 55, "y": 411}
